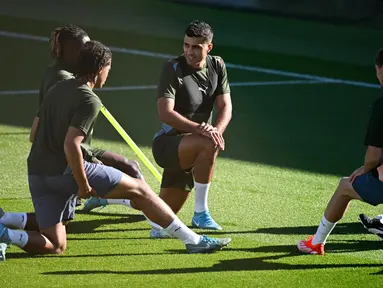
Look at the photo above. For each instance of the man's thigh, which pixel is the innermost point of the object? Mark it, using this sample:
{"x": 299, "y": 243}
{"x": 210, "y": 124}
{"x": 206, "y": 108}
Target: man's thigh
{"x": 53, "y": 199}
{"x": 165, "y": 151}
{"x": 369, "y": 188}
{"x": 102, "y": 178}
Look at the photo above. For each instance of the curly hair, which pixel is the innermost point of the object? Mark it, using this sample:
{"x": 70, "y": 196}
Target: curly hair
{"x": 93, "y": 57}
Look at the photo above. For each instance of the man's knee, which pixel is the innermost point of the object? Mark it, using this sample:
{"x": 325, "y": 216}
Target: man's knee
{"x": 346, "y": 188}
{"x": 60, "y": 249}
{"x": 131, "y": 167}
{"x": 207, "y": 147}
{"x": 57, "y": 236}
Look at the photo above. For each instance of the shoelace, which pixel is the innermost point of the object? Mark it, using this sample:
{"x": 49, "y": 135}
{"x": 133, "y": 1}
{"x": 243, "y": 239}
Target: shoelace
{"x": 209, "y": 240}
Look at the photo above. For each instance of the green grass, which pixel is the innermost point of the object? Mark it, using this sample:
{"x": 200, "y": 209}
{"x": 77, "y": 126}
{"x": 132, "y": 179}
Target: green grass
{"x": 265, "y": 209}
{"x": 286, "y": 148}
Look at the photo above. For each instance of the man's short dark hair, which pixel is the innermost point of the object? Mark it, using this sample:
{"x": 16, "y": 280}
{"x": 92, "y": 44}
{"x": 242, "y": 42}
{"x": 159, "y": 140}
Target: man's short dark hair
{"x": 200, "y": 29}
{"x": 379, "y": 58}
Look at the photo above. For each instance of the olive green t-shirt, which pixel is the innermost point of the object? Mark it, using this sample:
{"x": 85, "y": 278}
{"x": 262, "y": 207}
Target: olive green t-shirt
{"x": 69, "y": 103}
{"x": 54, "y": 73}
{"x": 58, "y": 71}
{"x": 374, "y": 133}
{"x": 195, "y": 102}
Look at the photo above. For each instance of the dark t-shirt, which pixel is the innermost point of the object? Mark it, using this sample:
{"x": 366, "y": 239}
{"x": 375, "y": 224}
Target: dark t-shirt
{"x": 55, "y": 72}
{"x": 69, "y": 103}
{"x": 194, "y": 101}
{"x": 374, "y": 134}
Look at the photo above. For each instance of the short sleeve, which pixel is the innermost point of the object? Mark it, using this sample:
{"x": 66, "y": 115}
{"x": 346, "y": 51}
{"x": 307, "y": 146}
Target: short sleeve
{"x": 86, "y": 113}
{"x": 223, "y": 86}
{"x": 168, "y": 84}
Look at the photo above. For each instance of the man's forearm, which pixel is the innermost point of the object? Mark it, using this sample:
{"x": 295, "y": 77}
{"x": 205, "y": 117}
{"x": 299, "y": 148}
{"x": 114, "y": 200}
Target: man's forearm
{"x": 75, "y": 160}
{"x": 372, "y": 158}
{"x": 180, "y": 122}
{"x": 223, "y": 119}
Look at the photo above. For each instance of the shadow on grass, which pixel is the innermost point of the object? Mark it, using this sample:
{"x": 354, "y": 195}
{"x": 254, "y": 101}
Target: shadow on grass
{"x": 265, "y": 263}
{"x": 22, "y": 255}
{"x": 90, "y": 226}
{"x": 340, "y": 229}
{"x": 246, "y": 264}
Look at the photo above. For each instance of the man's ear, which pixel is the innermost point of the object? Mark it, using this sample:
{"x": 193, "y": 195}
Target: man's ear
{"x": 209, "y": 47}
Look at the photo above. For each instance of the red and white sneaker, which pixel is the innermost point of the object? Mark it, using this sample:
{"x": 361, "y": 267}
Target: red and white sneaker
{"x": 306, "y": 246}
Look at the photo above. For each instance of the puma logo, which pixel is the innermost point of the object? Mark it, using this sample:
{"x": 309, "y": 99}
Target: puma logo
{"x": 202, "y": 89}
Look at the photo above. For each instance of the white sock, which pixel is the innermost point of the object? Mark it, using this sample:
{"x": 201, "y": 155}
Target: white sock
{"x": 201, "y": 192}
{"x": 154, "y": 225}
{"x": 324, "y": 230}
{"x": 14, "y": 220}
{"x": 18, "y": 238}
{"x": 124, "y": 202}
{"x": 180, "y": 231}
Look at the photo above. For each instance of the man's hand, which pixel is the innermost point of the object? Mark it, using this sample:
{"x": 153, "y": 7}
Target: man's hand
{"x": 215, "y": 136}
{"x": 206, "y": 127}
{"x": 356, "y": 173}
{"x": 86, "y": 192}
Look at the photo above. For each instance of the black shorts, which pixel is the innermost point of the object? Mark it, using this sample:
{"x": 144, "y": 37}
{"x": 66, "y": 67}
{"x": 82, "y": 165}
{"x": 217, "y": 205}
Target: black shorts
{"x": 165, "y": 153}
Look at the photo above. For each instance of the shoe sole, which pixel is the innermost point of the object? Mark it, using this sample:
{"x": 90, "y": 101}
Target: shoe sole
{"x": 372, "y": 230}
{"x": 213, "y": 250}
{"x": 307, "y": 252}
{"x": 206, "y": 228}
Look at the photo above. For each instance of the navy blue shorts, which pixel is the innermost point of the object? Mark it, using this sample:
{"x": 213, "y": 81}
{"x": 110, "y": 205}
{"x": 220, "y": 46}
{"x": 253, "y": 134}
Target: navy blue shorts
{"x": 369, "y": 188}
{"x": 54, "y": 197}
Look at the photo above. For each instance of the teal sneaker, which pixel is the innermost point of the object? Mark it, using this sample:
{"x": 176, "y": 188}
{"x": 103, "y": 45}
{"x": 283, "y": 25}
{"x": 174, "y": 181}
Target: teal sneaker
{"x": 203, "y": 220}
{"x": 3, "y": 249}
{"x": 92, "y": 203}
{"x": 4, "y": 237}
{"x": 159, "y": 234}
{"x": 208, "y": 245}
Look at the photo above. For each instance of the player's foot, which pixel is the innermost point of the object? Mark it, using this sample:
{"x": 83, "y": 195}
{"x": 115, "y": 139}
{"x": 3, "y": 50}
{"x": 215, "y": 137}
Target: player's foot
{"x": 159, "y": 234}
{"x": 4, "y": 237}
{"x": 3, "y": 250}
{"x": 203, "y": 220}
{"x": 306, "y": 246}
{"x": 93, "y": 203}
{"x": 373, "y": 225}
{"x": 208, "y": 245}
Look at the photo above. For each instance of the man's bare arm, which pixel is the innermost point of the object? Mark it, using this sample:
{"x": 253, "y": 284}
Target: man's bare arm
{"x": 224, "y": 106}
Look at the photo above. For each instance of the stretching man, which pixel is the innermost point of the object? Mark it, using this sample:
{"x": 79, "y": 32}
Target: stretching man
{"x": 57, "y": 172}
{"x": 187, "y": 145}
{"x": 364, "y": 184}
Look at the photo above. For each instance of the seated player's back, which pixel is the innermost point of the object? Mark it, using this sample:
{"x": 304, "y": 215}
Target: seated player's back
{"x": 53, "y": 74}
{"x": 65, "y": 103}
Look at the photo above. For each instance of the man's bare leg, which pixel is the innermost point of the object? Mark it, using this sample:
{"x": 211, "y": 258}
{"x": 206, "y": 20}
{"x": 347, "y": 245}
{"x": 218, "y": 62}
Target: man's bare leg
{"x": 335, "y": 210}
{"x": 200, "y": 153}
{"x": 160, "y": 213}
{"x": 49, "y": 241}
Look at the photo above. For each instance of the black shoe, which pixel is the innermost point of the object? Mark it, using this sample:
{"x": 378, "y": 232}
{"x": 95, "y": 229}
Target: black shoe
{"x": 373, "y": 225}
